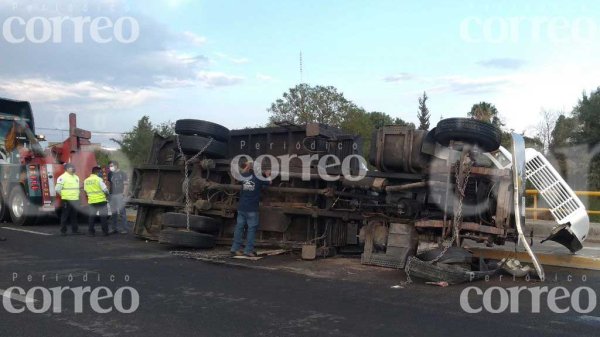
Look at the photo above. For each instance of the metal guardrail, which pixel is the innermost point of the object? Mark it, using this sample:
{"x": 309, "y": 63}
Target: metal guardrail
{"x": 535, "y": 208}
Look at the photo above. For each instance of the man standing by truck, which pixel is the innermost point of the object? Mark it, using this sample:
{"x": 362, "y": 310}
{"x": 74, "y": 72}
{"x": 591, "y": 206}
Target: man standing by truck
{"x": 118, "y": 182}
{"x": 96, "y": 191}
{"x": 248, "y": 207}
{"x": 67, "y": 186}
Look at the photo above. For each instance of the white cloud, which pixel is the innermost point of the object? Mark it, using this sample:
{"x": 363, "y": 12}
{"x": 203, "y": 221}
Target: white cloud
{"x": 213, "y": 79}
{"x": 263, "y": 77}
{"x": 400, "y": 77}
{"x": 469, "y": 85}
{"x": 90, "y": 94}
{"x": 503, "y": 63}
{"x": 232, "y": 59}
{"x": 195, "y": 39}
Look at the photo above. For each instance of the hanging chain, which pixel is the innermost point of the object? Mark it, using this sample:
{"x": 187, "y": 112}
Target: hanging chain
{"x": 457, "y": 220}
{"x": 186, "y": 181}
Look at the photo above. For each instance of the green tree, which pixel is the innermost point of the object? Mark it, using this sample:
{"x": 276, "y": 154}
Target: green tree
{"x": 486, "y": 112}
{"x": 586, "y": 131}
{"x": 423, "y": 113}
{"x": 304, "y": 103}
{"x": 563, "y": 132}
{"x": 380, "y": 119}
{"x": 102, "y": 157}
{"x": 137, "y": 143}
{"x": 587, "y": 113}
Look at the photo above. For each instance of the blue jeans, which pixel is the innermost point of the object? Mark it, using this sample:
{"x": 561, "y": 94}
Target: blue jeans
{"x": 243, "y": 218}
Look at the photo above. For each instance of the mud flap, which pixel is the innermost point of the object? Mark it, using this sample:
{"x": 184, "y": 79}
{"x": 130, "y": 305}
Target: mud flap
{"x": 562, "y": 234}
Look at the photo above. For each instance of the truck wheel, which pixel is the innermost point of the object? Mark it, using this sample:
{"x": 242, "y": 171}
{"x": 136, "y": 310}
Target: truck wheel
{"x": 198, "y": 223}
{"x": 184, "y": 238}
{"x": 198, "y": 127}
{"x": 472, "y": 131}
{"x": 20, "y": 208}
{"x": 191, "y": 145}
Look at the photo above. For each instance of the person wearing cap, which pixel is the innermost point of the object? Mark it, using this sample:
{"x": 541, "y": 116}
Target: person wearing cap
{"x": 96, "y": 191}
{"x": 67, "y": 186}
{"x": 248, "y": 207}
{"x": 118, "y": 187}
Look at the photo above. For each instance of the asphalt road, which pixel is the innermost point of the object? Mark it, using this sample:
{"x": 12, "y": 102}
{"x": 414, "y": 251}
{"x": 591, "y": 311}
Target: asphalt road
{"x": 186, "y": 297}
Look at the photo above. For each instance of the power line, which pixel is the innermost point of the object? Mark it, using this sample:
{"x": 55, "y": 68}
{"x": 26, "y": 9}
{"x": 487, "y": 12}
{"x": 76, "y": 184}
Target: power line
{"x": 93, "y": 132}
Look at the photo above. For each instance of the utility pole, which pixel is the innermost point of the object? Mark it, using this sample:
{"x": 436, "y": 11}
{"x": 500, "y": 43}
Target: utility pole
{"x": 301, "y": 74}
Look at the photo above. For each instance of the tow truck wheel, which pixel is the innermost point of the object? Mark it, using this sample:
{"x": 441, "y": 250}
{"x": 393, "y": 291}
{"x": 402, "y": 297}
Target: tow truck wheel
{"x": 19, "y": 207}
{"x": 185, "y": 238}
{"x": 472, "y": 131}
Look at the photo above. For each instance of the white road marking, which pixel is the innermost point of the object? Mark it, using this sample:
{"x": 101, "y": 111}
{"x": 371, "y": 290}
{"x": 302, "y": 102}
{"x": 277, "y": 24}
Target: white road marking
{"x": 17, "y": 297}
{"x": 26, "y": 231}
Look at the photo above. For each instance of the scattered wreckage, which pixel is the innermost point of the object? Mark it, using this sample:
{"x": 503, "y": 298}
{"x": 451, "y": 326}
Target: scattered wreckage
{"x": 443, "y": 186}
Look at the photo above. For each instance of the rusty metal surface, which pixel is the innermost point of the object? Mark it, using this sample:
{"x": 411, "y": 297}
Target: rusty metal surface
{"x": 331, "y": 214}
{"x": 398, "y": 149}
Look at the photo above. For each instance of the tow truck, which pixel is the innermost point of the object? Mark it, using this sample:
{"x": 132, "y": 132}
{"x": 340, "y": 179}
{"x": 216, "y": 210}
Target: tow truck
{"x": 28, "y": 172}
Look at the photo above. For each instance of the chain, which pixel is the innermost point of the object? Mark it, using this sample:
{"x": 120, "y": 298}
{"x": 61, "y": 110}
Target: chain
{"x": 457, "y": 220}
{"x": 186, "y": 181}
{"x": 461, "y": 186}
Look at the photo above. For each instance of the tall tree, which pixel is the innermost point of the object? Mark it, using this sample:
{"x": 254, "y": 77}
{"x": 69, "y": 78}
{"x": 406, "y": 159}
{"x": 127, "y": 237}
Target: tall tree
{"x": 136, "y": 143}
{"x": 359, "y": 122}
{"x": 563, "y": 133}
{"x": 423, "y": 113}
{"x": 486, "y": 112}
{"x": 545, "y": 126}
{"x": 587, "y": 112}
{"x": 304, "y": 103}
{"x": 379, "y": 119}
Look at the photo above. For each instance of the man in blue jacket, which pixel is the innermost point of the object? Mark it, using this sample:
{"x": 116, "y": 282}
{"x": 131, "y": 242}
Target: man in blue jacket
{"x": 248, "y": 207}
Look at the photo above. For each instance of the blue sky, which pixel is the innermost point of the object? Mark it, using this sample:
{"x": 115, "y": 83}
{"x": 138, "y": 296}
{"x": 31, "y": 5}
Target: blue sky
{"x": 226, "y": 61}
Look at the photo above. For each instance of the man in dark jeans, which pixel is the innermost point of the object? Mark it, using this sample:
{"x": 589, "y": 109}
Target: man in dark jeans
{"x": 96, "y": 192}
{"x": 118, "y": 183}
{"x": 67, "y": 186}
{"x": 248, "y": 207}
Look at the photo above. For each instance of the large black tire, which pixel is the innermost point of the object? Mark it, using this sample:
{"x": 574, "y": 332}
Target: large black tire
{"x": 198, "y": 127}
{"x": 184, "y": 238}
{"x": 22, "y": 212}
{"x": 190, "y": 145}
{"x": 482, "y": 134}
{"x": 198, "y": 223}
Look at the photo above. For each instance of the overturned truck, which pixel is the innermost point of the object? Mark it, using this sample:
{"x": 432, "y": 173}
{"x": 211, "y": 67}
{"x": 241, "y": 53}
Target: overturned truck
{"x": 452, "y": 183}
